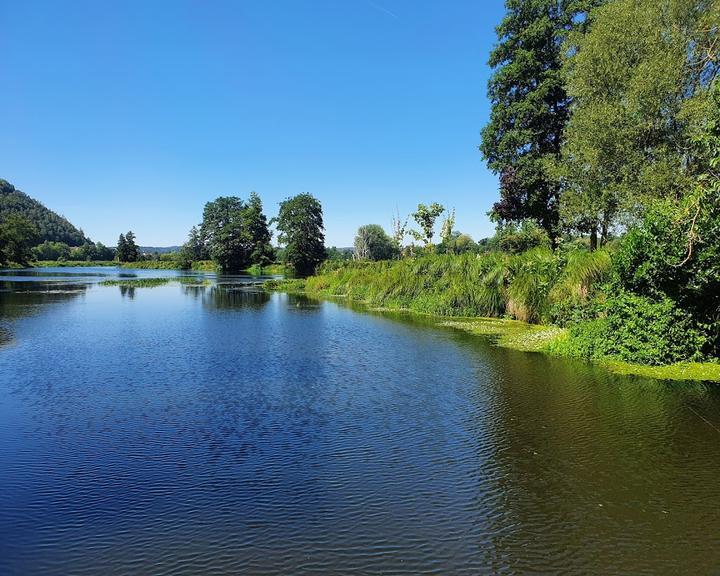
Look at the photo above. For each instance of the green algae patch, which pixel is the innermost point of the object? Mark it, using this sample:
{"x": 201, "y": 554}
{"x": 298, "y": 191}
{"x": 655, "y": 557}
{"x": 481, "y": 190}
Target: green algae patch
{"x": 509, "y": 333}
{"x": 703, "y": 371}
{"x": 137, "y": 282}
{"x": 291, "y": 285}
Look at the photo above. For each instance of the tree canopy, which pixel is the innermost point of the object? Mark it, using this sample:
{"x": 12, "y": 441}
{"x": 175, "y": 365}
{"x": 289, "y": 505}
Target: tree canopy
{"x": 234, "y": 233}
{"x": 301, "y": 230}
{"x": 530, "y": 107}
{"x": 372, "y": 243}
{"x": 639, "y": 81}
{"x": 17, "y": 237}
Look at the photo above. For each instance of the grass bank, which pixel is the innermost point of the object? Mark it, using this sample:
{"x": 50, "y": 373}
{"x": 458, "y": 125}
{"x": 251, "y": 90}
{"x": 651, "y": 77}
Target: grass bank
{"x": 72, "y": 263}
{"x": 516, "y": 300}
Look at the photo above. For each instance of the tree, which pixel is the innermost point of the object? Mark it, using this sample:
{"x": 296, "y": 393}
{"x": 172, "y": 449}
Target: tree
{"x": 399, "y": 228}
{"x": 223, "y": 231}
{"x": 17, "y": 236}
{"x": 372, "y": 243}
{"x": 300, "y": 224}
{"x": 446, "y": 231}
{"x": 529, "y": 107}
{"x": 425, "y": 217}
{"x": 132, "y": 252}
{"x": 639, "y": 82}
{"x": 262, "y": 251}
{"x": 193, "y": 250}
{"x": 52, "y": 251}
{"x": 121, "y": 249}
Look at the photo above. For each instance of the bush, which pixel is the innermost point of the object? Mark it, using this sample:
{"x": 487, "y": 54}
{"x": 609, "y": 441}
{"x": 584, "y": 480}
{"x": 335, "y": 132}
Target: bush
{"x": 636, "y": 329}
{"x": 654, "y": 260}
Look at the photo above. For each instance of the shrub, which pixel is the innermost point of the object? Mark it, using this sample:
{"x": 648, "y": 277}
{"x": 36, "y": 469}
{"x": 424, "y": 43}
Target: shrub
{"x": 636, "y": 329}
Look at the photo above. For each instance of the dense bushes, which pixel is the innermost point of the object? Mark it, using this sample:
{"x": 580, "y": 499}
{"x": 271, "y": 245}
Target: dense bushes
{"x": 635, "y": 329}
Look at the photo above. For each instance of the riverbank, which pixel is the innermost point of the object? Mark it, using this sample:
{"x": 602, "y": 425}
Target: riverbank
{"x": 364, "y": 289}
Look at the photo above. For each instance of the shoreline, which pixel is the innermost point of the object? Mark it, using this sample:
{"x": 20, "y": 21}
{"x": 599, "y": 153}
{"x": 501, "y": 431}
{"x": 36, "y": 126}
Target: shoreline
{"x": 521, "y": 336}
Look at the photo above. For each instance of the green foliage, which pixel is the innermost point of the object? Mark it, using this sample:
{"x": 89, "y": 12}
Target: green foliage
{"x": 50, "y": 226}
{"x": 445, "y": 285}
{"x": 372, "y": 243}
{"x": 51, "y": 251}
{"x": 127, "y": 250}
{"x": 233, "y": 233}
{"x": 639, "y": 82}
{"x": 515, "y": 238}
{"x": 532, "y": 276}
{"x": 530, "y": 107}
{"x": 17, "y": 236}
{"x": 262, "y": 251}
{"x": 333, "y": 253}
{"x": 291, "y": 285}
{"x": 301, "y": 230}
{"x": 137, "y": 282}
{"x": 636, "y": 329}
{"x": 91, "y": 252}
{"x": 425, "y": 217}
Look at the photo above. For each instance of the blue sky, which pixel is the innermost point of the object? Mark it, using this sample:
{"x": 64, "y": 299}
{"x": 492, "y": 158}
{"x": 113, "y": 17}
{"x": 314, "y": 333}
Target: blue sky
{"x": 132, "y": 114}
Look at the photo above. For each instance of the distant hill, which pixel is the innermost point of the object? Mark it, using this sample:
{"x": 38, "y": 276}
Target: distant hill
{"x": 158, "y": 249}
{"x": 52, "y": 226}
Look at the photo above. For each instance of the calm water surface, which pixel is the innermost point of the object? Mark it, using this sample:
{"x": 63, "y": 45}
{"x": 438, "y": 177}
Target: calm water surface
{"x": 220, "y": 430}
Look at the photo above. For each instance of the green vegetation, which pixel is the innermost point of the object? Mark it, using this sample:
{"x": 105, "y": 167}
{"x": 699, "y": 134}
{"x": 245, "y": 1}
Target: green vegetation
{"x": 301, "y": 230}
{"x": 268, "y": 270}
{"x": 49, "y": 225}
{"x": 372, "y": 243}
{"x": 72, "y": 263}
{"x": 289, "y": 285}
{"x": 17, "y": 236}
{"x": 138, "y": 282}
{"x": 530, "y": 107}
{"x": 234, "y": 233}
{"x": 155, "y": 282}
{"x": 127, "y": 250}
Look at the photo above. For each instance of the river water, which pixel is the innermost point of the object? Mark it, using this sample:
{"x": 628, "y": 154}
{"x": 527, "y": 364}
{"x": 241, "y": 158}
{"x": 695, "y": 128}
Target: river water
{"x": 216, "y": 429}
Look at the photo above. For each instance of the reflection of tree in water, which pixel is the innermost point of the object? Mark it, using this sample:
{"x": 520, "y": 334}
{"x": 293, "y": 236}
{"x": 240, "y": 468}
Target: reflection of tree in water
{"x": 127, "y": 291}
{"x": 20, "y": 299}
{"x": 225, "y": 297}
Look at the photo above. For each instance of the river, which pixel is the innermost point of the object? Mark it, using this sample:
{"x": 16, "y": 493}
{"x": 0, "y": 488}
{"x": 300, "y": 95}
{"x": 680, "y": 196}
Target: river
{"x": 216, "y": 429}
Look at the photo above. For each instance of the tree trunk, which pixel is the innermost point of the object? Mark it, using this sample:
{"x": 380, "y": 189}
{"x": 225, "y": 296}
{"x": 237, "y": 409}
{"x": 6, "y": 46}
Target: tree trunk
{"x": 593, "y": 238}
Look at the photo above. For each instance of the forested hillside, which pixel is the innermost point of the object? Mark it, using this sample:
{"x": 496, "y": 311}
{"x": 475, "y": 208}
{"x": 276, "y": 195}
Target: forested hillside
{"x": 51, "y": 226}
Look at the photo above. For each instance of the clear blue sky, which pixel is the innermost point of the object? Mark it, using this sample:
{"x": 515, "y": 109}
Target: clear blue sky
{"x": 132, "y": 114}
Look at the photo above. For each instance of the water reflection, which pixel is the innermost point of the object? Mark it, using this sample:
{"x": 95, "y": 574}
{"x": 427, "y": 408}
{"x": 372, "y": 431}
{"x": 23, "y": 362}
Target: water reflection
{"x": 232, "y": 297}
{"x": 127, "y": 291}
{"x": 21, "y": 298}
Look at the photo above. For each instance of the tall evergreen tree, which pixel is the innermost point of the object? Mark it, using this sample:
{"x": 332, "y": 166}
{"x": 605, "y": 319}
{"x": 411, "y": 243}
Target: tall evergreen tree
{"x": 260, "y": 235}
{"x": 121, "y": 249}
{"x": 530, "y": 107}
{"x": 132, "y": 252}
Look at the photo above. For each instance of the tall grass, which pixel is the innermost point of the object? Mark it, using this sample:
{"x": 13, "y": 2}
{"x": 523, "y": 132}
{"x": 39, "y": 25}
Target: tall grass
{"x": 523, "y": 286}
